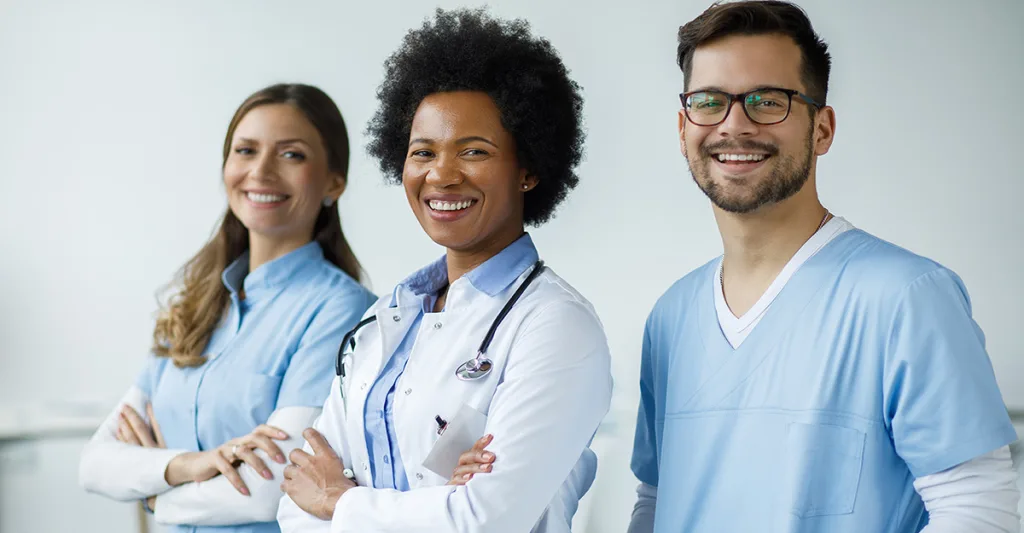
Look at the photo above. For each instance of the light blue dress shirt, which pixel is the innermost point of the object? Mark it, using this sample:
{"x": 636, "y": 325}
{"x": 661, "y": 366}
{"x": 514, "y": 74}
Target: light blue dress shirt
{"x": 866, "y": 372}
{"x": 274, "y": 349}
{"x": 492, "y": 277}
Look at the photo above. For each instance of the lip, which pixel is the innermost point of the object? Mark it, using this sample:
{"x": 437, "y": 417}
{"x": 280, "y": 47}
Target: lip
{"x": 264, "y": 205}
{"x": 448, "y": 216}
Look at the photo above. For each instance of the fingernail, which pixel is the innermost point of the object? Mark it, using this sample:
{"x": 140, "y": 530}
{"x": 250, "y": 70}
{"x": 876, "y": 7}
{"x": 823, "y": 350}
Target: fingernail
{"x": 267, "y": 474}
{"x": 279, "y": 458}
{"x": 467, "y": 477}
{"x": 488, "y": 456}
{"x": 487, "y": 468}
{"x": 245, "y": 491}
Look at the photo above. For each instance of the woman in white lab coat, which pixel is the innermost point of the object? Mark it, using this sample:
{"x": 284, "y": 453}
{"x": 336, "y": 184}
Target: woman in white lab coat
{"x": 243, "y": 352}
{"x": 480, "y": 123}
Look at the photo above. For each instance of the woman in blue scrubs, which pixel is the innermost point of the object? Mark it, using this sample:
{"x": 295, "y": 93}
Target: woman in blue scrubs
{"x": 243, "y": 353}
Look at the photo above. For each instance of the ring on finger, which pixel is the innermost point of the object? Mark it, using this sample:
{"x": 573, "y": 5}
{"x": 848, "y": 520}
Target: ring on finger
{"x": 234, "y": 450}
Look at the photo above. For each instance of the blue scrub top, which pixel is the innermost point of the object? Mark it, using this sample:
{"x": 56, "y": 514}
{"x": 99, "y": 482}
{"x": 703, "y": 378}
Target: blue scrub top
{"x": 274, "y": 349}
{"x": 866, "y": 372}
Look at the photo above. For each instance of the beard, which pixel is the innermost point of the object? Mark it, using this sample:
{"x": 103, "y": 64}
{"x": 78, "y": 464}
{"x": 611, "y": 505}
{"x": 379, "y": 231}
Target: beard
{"x": 787, "y": 176}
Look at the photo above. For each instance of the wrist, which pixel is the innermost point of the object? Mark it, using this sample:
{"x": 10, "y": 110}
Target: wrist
{"x": 331, "y": 498}
{"x": 176, "y": 472}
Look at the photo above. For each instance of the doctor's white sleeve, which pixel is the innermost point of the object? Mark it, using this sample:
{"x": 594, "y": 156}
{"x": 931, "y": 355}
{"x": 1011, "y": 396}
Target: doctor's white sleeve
{"x": 642, "y": 520}
{"x": 124, "y": 472}
{"x": 980, "y": 496}
{"x": 216, "y": 502}
{"x": 556, "y": 390}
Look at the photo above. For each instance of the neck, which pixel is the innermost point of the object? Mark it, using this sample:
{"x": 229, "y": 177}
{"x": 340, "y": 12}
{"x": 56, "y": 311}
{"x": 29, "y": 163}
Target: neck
{"x": 462, "y": 261}
{"x": 263, "y": 249}
{"x": 761, "y": 243}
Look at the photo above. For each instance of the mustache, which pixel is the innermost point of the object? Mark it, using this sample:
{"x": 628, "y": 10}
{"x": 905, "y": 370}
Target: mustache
{"x": 708, "y": 150}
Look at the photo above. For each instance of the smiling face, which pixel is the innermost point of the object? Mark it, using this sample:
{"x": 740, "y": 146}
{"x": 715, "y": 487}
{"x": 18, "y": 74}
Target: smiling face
{"x": 276, "y": 174}
{"x": 740, "y": 165}
{"x": 462, "y": 176}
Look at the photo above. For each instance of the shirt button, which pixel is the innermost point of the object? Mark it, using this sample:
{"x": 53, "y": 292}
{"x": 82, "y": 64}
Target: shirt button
{"x": 408, "y": 392}
{"x": 397, "y": 318}
{"x": 437, "y": 325}
{"x": 386, "y": 460}
{"x": 419, "y": 476}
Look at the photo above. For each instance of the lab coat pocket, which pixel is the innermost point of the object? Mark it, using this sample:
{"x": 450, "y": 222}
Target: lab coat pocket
{"x": 823, "y": 468}
{"x": 458, "y": 436}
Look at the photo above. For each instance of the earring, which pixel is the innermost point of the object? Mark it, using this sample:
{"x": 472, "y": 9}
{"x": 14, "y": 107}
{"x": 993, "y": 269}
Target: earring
{"x": 327, "y": 202}
{"x": 526, "y": 186}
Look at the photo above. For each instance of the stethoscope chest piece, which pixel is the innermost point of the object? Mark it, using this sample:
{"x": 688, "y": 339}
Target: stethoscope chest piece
{"x": 475, "y": 368}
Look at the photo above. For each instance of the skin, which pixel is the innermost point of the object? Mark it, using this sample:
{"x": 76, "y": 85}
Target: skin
{"x": 760, "y": 233}
{"x": 276, "y": 150}
{"x": 459, "y": 153}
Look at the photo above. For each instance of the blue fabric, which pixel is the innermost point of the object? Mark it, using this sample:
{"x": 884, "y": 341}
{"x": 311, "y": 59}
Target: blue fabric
{"x": 275, "y": 348}
{"x": 866, "y": 372}
{"x": 492, "y": 277}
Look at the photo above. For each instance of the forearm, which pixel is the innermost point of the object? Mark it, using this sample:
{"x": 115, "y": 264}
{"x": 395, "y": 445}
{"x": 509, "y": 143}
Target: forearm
{"x": 216, "y": 502}
{"x": 123, "y": 471}
{"x": 979, "y": 496}
{"x": 642, "y": 520}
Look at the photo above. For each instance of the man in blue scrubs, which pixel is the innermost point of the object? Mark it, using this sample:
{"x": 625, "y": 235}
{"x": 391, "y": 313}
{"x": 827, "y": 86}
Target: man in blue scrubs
{"x": 814, "y": 378}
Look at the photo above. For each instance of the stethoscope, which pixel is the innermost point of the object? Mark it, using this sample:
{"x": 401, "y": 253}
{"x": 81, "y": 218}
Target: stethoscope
{"x": 472, "y": 369}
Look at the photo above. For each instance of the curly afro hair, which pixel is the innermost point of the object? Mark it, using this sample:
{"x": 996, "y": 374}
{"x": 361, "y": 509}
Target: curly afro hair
{"x": 467, "y": 50}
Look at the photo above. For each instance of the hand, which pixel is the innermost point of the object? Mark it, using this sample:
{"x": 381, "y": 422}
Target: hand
{"x": 133, "y": 429}
{"x": 223, "y": 460}
{"x": 316, "y": 482}
{"x": 473, "y": 461}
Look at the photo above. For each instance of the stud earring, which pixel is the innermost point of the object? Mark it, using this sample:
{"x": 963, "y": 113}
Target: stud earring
{"x": 327, "y": 202}
{"x": 525, "y": 186}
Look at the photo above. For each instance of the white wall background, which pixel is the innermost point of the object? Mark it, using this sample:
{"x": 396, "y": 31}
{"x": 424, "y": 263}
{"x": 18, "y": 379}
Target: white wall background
{"x": 112, "y": 114}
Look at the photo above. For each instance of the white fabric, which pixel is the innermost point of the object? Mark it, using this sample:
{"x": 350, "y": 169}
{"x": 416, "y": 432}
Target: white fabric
{"x": 548, "y": 391}
{"x": 979, "y": 496}
{"x": 128, "y": 472}
{"x": 736, "y": 329}
{"x": 217, "y": 503}
{"x": 122, "y": 471}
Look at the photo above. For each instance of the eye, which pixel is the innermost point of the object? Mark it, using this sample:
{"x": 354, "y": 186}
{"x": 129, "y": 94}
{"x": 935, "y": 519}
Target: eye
{"x": 244, "y": 151}
{"x": 475, "y": 153}
{"x": 292, "y": 154}
{"x": 421, "y": 154}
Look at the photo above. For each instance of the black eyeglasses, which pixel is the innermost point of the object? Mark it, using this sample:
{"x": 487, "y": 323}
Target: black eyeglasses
{"x": 765, "y": 106}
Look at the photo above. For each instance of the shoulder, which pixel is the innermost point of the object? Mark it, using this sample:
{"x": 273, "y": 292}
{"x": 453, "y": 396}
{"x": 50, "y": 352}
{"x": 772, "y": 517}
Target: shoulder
{"x": 885, "y": 271}
{"x": 683, "y": 294}
{"x": 330, "y": 289}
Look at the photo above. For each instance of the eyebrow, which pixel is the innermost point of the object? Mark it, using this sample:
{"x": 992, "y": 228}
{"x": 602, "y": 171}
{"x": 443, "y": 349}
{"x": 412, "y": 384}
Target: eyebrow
{"x": 463, "y": 140}
{"x": 282, "y": 141}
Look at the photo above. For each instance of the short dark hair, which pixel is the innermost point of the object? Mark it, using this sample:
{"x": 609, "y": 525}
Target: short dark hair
{"x": 759, "y": 17}
{"x": 469, "y": 50}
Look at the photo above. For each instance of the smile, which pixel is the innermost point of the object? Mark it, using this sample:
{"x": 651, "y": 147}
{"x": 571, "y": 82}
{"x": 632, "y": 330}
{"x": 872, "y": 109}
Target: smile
{"x": 264, "y": 198}
{"x": 438, "y": 205}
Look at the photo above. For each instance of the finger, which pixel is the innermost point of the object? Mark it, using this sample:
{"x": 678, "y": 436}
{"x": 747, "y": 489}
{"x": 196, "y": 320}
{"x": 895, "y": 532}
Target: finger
{"x": 461, "y": 471}
{"x": 318, "y": 443}
{"x": 457, "y": 480}
{"x": 299, "y": 457}
{"x": 225, "y": 468}
{"x": 271, "y": 431}
{"x": 139, "y": 427}
{"x": 160, "y": 442}
{"x": 250, "y": 458}
{"x": 290, "y": 471}
{"x": 264, "y": 443}
{"x": 482, "y": 442}
{"x": 475, "y": 456}
{"x": 126, "y": 431}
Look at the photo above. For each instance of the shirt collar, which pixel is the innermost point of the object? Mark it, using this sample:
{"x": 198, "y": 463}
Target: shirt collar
{"x": 271, "y": 274}
{"x": 491, "y": 277}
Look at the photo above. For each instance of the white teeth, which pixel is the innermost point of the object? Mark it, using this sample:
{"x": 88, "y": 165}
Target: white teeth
{"x": 264, "y": 198}
{"x": 437, "y": 205}
{"x": 741, "y": 157}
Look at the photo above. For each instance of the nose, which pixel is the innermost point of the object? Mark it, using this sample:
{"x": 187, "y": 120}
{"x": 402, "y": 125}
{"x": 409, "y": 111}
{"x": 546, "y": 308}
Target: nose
{"x": 445, "y": 172}
{"x": 737, "y": 124}
{"x": 264, "y": 167}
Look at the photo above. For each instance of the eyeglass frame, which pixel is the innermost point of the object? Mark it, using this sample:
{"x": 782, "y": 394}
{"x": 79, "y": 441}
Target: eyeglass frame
{"x": 741, "y": 97}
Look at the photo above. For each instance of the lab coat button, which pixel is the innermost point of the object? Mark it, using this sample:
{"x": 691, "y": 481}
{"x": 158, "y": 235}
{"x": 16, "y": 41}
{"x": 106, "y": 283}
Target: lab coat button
{"x": 366, "y": 466}
{"x": 408, "y": 392}
{"x": 362, "y": 387}
{"x": 419, "y": 476}
{"x": 437, "y": 325}
{"x": 397, "y": 318}
{"x": 387, "y": 461}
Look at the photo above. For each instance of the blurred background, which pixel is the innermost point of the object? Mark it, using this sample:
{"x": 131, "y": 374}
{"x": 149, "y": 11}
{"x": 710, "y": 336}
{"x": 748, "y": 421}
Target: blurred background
{"x": 112, "y": 115}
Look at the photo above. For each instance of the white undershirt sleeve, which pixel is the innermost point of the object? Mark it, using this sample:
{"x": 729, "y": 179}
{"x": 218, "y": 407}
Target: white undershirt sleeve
{"x": 979, "y": 496}
{"x": 217, "y": 503}
{"x": 643, "y": 511}
{"x": 124, "y": 472}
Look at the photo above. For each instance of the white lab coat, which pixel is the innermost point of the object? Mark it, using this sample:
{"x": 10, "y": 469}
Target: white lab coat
{"x": 544, "y": 399}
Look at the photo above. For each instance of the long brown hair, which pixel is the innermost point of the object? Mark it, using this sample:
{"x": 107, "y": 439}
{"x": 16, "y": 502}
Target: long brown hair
{"x": 185, "y": 324}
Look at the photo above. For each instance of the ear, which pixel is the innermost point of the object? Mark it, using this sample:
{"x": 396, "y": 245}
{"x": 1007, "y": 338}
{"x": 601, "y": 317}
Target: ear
{"x": 682, "y": 133}
{"x": 527, "y": 181}
{"x": 335, "y": 187}
{"x": 824, "y": 130}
